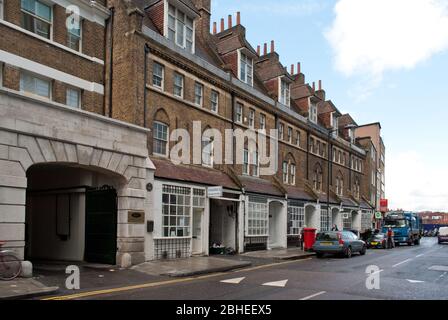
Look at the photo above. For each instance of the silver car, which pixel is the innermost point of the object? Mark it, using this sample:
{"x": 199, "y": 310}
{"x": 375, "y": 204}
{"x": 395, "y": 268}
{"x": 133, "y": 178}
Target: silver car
{"x": 338, "y": 242}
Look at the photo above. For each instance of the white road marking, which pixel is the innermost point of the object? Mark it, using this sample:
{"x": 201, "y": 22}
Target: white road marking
{"x": 439, "y": 268}
{"x": 443, "y": 275}
{"x": 415, "y": 281}
{"x": 400, "y": 263}
{"x": 314, "y": 295}
{"x": 233, "y": 281}
{"x": 420, "y": 255}
{"x": 280, "y": 284}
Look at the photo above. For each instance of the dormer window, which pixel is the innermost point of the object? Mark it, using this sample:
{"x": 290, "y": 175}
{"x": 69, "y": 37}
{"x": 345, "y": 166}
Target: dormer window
{"x": 313, "y": 112}
{"x": 246, "y": 69}
{"x": 334, "y": 124}
{"x": 285, "y": 93}
{"x": 180, "y": 28}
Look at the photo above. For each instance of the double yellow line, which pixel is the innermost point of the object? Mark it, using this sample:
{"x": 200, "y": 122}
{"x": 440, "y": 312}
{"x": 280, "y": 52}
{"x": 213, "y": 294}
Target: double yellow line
{"x": 161, "y": 283}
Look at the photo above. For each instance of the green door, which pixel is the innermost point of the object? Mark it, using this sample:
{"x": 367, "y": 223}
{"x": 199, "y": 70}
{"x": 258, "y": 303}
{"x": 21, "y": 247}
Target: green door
{"x": 101, "y": 226}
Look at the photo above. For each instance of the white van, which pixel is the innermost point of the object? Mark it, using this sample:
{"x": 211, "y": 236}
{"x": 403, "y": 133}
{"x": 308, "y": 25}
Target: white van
{"x": 443, "y": 234}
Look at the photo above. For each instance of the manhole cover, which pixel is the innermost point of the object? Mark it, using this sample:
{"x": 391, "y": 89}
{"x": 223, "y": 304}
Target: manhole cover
{"x": 439, "y": 268}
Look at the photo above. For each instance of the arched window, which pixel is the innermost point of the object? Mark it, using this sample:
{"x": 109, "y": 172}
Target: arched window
{"x": 317, "y": 178}
{"x": 207, "y": 151}
{"x": 340, "y": 185}
{"x": 160, "y": 139}
{"x": 285, "y": 172}
{"x": 356, "y": 188}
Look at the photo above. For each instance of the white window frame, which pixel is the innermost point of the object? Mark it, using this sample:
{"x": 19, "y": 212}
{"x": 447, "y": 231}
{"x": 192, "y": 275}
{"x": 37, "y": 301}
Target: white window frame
{"x": 158, "y": 77}
{"x": 175, "y": 86}
{"x": 34, "y": 16}
{"x": 80, "y": 36}
{"x": 198, "y": 94}
{"x": 78, "y": 91}
{"x": 160, "y": 139}
{"x": 298, "y": 138}
{"x": 2, "y": 3}
{"x": 262, "y": 121}
{"x": 281, "y": 131}
{"x": 285, "y": 171}
{"x": 239, "y": 112}
{"x": 293, "y": 172}
{"x": 180, "y": 24}
{"x": 207, "y": 151}
{"x": 255, "y": 163}
{"x": 245, "y": 68}
{"x": 38, "y": 77}
{"x": 257, "y": 220}
{"x": 284, "y": 93}
{"x": 214, "y": 103}
{"x": 296, "y": 216}
{"x": 324, "y": 220}
{"x": 251, "y": 118}
{"x": 290, "y": 133}
{"x": 246, "y": 162}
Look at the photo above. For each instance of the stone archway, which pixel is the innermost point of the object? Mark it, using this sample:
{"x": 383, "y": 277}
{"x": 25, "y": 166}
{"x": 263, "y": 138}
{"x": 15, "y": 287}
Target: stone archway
{"x": 24, "y": 151}
{"x": 312, "y": 216}
{"x": 336, "y": 218}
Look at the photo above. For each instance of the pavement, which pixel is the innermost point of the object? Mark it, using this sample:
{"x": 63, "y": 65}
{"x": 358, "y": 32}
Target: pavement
{"x": 280, "y": 254}
{"x": 403, "y": 273}
{"x": 22, "y": 288}
{"x": 190, "y": 267}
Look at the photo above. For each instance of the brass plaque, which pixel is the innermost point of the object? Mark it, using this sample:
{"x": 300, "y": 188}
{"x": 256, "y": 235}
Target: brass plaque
{"x": 136, "y": 217}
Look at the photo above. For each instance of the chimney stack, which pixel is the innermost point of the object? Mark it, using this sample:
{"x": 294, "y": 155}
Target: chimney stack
{"x": 258, "y": 49}
{"x": 265, "y": 49}
{"x": 314, "y": 86}
{"x": 238, "y": 18}
{"x": 299, "y": 68}
{"x": 272, "y": 46}
{"x": 215, "y": 27}
{"x": 320, "y": 85}
{"x": 292, "y": 69}
{"x": 222, "y": 24}
{"x": 230, "y": 21}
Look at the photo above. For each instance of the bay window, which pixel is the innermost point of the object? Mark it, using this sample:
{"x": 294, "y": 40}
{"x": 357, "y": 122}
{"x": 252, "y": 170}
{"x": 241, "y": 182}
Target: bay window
{"x": 257, "y": 219}
{"x": 296, "y": 220}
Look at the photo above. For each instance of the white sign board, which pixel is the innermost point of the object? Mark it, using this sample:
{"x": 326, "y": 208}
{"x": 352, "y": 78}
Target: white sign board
{"x": 215, "y": 192}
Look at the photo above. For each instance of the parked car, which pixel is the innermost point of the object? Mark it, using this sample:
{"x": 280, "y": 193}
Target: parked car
{"x": 378, "y": 241}
{"x": 338, "y": 242}
{"x": 443, "y": 234}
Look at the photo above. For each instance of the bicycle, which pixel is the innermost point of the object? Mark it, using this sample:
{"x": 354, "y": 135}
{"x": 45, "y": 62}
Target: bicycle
{"x": 10, "y": 265}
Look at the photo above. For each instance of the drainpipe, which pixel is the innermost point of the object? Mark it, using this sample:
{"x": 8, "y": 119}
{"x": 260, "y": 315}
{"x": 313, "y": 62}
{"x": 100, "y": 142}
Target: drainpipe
{"x": 145, "y": 82}
{"x": 111, "y": 54}
{"x": 307, "y": 155}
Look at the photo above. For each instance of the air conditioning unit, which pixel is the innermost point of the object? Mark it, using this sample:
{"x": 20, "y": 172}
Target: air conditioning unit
{"x": 345, "y": 216}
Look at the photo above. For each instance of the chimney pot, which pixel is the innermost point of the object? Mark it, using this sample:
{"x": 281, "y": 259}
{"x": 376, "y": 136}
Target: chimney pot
{"x": 299, "y": 68}
{"x": 265, "y": 49}
{"x": 272, "y": 46}
{"x": 292, "y": 69}
{"x": 230, "y": 21}
{"x": 238, "y": 18}
{"x": 222, "y": 24}
{"x": 215, "y": 27}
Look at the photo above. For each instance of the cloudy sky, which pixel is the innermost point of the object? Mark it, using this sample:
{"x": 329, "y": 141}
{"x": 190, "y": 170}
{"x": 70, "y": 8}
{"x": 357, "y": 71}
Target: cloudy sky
{"x": 380, "y": 60}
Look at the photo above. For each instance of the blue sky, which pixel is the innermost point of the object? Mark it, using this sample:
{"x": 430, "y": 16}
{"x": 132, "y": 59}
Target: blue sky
{"x": 376, "y": 65}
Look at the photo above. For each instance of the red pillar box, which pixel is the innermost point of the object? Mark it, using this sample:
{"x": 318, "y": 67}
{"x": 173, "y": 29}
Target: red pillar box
{"x": 309, "y": 237}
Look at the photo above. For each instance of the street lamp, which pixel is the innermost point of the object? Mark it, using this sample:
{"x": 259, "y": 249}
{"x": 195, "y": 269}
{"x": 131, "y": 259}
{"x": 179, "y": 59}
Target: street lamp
{"x": 330, "y": 160}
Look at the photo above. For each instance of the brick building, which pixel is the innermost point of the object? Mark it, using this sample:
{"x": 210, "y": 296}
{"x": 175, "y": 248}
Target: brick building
{"x": 145, "y": 69}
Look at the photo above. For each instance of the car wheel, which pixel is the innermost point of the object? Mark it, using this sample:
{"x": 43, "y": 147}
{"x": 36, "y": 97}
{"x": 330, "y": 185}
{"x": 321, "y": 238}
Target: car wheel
{"x": 417, "y": 242}
{"x": 319, "y": 255}
{"x": 363, "y": 251}
{"x": 348, "y": 252}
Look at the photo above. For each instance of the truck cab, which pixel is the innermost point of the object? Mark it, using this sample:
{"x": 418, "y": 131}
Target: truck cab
{"x": 407, "y": 227}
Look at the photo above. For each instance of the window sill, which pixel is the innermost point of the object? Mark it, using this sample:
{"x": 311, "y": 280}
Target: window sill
{"x": 56, "y": 44}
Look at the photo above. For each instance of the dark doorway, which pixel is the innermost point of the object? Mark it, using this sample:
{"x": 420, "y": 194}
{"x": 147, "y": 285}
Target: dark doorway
{"x": 101, "y": 225}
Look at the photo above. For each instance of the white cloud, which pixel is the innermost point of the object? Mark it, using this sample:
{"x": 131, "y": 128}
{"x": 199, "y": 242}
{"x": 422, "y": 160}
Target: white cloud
{"x": 372, "y": 36}
{"x": 413, "y": 184}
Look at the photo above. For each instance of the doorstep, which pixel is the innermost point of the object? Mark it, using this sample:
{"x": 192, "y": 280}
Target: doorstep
{"x": 21, "y": 288}
{"x": 190, "y": 267}
{"x": 280, "y": 254}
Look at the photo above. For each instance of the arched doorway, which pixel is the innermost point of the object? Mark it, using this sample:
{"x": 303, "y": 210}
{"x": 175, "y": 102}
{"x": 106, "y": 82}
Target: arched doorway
{"x": 71, "y": 213}
{"x": 277, "y": 224}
